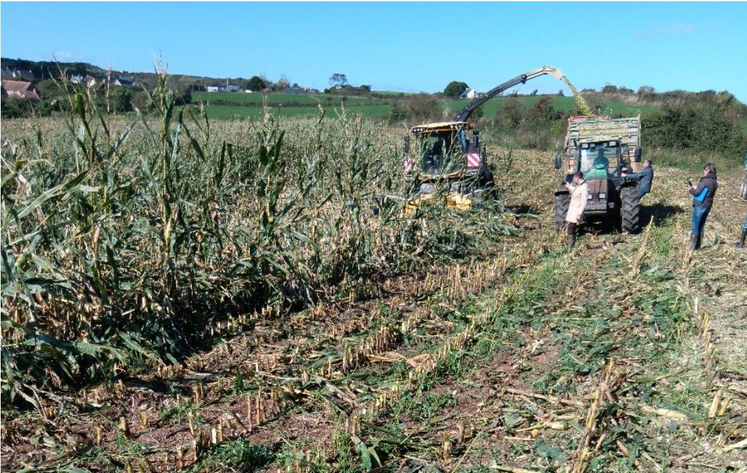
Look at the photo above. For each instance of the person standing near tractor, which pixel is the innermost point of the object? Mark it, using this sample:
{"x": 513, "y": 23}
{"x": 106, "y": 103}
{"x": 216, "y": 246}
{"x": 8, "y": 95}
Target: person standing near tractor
{"x": 703, "y": 195}
{"x": 579, "y": 195}
{"x": 646, "y": 177}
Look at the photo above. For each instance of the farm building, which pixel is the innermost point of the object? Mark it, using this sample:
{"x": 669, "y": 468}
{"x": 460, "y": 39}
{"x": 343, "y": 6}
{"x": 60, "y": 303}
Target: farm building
{"x": 296, "y": 89}
{"x": 469, "y": 94}
{"x": 124, "y": 81}
{"x": 22, "y": 89}
{"x": 87, "y": 80}
{"x": 223, "y": 88}
{"x": 17, "y": 74}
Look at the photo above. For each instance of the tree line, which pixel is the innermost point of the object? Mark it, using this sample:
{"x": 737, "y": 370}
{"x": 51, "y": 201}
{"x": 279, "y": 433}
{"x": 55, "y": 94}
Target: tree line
{"x": 702, "y": 122}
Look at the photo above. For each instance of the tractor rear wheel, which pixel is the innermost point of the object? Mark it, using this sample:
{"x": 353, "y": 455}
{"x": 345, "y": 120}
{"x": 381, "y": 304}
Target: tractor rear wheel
{"x": 630, "y": 211}
{"x": 562, "y": 202}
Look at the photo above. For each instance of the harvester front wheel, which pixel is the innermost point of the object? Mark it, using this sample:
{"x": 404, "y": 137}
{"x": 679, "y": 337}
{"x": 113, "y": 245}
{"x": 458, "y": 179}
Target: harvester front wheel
{"x": 562, "y": 202}
{"x": 630, "y": 211}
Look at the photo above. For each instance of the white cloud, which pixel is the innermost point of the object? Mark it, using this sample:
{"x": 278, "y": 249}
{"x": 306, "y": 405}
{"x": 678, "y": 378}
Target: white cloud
{"x": 671, "y": 29}
{"x": 65, "y": 56}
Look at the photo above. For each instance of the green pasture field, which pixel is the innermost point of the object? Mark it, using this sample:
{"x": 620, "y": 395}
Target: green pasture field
{"x": 564, "y": 104}
{"x": 232, "y": 111}
{"x": 257, "y": 99}
{"x": 226, "y": 105}
{"x": 220, "y": 105}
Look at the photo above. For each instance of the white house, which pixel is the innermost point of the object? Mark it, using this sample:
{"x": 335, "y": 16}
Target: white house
{"x": 124, "y": 81}
{"x": 89, "y": 81}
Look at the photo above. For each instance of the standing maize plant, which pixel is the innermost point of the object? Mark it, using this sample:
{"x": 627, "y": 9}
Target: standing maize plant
{"x": 59, "y": 219}
{"x": 127, "y": 240}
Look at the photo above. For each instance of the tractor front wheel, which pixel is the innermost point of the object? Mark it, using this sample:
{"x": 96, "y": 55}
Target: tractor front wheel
{"x": 562, "y": 202}
{"x": 630, "y": 211}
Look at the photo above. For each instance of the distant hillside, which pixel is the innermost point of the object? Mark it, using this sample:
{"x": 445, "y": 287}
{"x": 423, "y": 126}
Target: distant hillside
{"x": 645, "y": 97}
{"x": 698, "y": 122}
{"x": 47, "y": 70}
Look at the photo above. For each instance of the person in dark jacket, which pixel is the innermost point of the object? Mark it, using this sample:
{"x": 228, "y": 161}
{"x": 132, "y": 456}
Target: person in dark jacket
{"x": 703, "y": 195}
{"x": 645, "y": 178}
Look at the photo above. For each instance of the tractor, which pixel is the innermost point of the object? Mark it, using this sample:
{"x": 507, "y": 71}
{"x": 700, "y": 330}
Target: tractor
{"x": 607, "y": 151}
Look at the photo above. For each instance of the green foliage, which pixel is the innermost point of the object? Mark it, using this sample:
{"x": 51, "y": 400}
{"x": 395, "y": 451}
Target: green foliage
{"x": 183, "y": 96}
{"x": 707, "y": 123}
{"x": 455, "y": 89}
{"x": 15, "y": 107}
{"x": 121, "y": 100}
{"x": 533, "y": 126}
{"x": 477, "y": 113}
{"x": 704, "y": 126}
{"x": 282, "y": 84}
{"x": 338, "y": 80}
{"x": 609, "y": 89}
{"x": 542, "y": 112}
{"x": 418, "y": 107}
{"x": 350, "y": 91}
{"x": 237, "y": 455}
{"x": 256, "y": 84}
{"x": 510, "y": 115}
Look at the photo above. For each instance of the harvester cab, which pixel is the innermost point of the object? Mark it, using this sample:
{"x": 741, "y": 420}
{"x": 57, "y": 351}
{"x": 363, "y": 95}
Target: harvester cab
{"x": 607, "y": 151}
{"x": 445, "y": 156}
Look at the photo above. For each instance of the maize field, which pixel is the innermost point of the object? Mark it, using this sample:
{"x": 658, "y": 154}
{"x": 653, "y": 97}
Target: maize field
{"x": 187, "y": 295}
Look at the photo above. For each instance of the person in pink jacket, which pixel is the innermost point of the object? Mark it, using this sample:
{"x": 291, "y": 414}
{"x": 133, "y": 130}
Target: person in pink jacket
{"x": 579, "y": 194}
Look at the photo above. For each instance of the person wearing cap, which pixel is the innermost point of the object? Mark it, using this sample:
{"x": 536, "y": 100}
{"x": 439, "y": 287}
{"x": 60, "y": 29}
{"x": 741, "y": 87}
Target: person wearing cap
{"x": 703, "y": 195}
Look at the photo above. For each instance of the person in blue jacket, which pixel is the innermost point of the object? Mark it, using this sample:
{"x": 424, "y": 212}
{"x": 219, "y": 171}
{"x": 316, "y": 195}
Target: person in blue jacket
{"x": 703, "y": 195}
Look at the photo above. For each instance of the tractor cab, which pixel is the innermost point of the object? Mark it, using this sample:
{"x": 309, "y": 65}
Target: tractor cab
{"x": 600, "y": 159}
{"x": 445, "y": 154}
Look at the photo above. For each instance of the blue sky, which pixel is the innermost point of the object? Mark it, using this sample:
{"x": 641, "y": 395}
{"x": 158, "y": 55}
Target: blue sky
{"x": 409, "y": 47}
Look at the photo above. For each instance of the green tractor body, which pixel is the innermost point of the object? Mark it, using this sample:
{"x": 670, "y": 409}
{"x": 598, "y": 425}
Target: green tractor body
{"x": 606, "y": 151}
